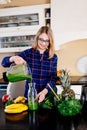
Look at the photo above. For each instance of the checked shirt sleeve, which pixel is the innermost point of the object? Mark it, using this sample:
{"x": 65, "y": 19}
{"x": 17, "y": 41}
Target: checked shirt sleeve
{"x": 5, "y": 62}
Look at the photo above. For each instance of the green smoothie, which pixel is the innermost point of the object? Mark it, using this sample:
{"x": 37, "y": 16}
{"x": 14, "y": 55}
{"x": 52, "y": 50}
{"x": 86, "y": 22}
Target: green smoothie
{"x": 33, "y": 106}
{"x": 15, "y": 77}
{"x": 19, "y": 73}
{"x": 32, "y": 93}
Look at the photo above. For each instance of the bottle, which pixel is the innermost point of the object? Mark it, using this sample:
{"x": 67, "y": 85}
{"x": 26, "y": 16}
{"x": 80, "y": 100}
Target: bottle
{"x": 32, "y": 103}
{"x": 33, "y": 120}
{"x": 83, "y": 95}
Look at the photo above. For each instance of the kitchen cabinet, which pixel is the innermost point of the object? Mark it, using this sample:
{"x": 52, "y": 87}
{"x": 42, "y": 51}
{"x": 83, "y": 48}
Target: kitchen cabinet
{"x": 47, "y": 17}
{"x": 19, "y": 25}
{"x": 19, "y": 20}
{"x": 3, "y": 89}
{"x": 16, "y": 43}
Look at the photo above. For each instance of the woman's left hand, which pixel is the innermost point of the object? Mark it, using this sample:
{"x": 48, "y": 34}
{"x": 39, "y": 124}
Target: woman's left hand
{"x": 41, "y": 96}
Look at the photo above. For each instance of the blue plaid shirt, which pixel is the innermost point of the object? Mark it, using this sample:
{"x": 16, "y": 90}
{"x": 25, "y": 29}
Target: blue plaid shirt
{"x": 43, "y": 70}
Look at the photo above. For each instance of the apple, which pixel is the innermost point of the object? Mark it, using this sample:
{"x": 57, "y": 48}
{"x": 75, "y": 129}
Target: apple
{"x": 5, "y": 98}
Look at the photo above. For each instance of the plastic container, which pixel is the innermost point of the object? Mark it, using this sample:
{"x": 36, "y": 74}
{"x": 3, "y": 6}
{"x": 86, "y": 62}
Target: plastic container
{"x": 18, "y": 73}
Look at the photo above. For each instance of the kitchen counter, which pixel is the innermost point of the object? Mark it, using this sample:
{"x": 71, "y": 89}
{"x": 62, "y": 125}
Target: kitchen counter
{"x": 75, "y": 80}
{"x": 79, "y": 80}
{"x": 42, "y": 120}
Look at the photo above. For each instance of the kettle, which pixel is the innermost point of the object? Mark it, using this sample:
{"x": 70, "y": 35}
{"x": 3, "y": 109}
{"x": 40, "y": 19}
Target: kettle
{"x": 18, "y": 73}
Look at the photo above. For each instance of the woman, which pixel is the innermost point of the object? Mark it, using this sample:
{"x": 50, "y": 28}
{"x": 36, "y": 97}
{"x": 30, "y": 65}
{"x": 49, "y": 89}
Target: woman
{"x": 42, "y": 61}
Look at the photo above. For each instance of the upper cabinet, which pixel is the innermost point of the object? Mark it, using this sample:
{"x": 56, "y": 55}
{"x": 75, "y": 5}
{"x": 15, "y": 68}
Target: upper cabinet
{"x": 47, "y": 17}
{"x": 19, "y": 20}
{"x": 19, "y": 25}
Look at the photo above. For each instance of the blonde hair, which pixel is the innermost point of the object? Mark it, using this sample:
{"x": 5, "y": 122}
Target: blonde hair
{"x": 48, "y": 31}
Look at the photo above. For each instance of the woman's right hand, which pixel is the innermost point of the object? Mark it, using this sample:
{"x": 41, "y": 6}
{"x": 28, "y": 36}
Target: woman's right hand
{"x": 17, "y": 60}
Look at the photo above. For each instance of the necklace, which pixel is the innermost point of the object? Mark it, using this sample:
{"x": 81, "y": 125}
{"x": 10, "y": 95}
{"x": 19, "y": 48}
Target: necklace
{"x": 41, "y": 57}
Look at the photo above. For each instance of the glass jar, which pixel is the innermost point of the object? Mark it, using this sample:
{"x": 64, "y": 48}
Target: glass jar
{"x": 32, "y": 93}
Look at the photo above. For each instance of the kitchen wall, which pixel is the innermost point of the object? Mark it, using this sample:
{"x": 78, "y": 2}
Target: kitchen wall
{"x": 73, "y": 57}
{"x": 69, "y": 25}
{"x": 68, "y": 20}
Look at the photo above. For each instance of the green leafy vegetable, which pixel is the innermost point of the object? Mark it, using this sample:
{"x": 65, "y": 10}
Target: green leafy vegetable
{"x": 69, "y": 107}
{"x": 9, "y": 102}
{"x": 48, "y": 103}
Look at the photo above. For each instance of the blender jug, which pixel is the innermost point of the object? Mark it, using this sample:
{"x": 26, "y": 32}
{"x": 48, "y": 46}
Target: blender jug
{"x": 18, "y": 73}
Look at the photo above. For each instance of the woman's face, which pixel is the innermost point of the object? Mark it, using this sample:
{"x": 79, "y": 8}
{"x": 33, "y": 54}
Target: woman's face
{"x": 43, "y": 42}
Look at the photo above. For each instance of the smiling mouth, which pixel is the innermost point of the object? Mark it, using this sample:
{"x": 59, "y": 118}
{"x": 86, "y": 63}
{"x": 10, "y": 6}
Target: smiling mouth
{"x": 42, "y": 45}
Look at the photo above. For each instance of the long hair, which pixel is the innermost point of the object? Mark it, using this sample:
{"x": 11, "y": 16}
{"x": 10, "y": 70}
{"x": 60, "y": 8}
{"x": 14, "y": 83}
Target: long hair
{"x": 48, "y": 31}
